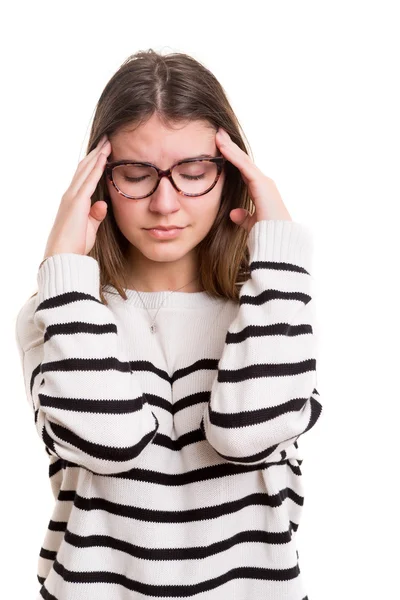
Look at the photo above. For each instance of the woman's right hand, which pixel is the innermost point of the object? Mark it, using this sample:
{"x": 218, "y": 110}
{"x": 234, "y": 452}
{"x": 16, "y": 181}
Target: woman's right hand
{"x": 76, "y": 223}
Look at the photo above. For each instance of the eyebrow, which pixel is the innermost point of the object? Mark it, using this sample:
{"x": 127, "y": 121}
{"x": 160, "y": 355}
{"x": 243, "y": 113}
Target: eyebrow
{"x": 194, "y": 156}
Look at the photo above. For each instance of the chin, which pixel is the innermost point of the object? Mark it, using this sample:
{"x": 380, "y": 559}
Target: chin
{"x": 163, "y": 252}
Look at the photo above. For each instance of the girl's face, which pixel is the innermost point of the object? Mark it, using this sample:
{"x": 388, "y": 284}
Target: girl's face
{"x": 163, "y": 147}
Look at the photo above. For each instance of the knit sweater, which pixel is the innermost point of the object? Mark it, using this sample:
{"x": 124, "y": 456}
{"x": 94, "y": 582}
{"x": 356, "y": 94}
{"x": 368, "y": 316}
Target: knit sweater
{"x": 173, "y": 456}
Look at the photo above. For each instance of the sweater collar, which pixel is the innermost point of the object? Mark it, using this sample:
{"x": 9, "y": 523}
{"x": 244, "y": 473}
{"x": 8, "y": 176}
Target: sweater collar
{"x": 165, "y": 298}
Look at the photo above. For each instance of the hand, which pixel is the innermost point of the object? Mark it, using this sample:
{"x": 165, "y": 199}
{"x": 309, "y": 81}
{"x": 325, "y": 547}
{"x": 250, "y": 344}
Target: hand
{"x": 76, "y": 223}
{"x": 262, "y": 189}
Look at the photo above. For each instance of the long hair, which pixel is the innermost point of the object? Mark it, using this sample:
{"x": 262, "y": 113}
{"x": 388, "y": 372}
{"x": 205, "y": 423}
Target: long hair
{"x": 177, "y": 88}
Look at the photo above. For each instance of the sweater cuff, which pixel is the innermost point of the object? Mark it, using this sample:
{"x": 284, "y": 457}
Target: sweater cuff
{"x": 68, "y": 272}
{"x": 281, "y": 241}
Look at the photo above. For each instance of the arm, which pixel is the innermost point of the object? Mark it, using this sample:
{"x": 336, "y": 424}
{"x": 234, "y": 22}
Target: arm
{"x": 264, "y": 395}
{"x": 88, "y": 406}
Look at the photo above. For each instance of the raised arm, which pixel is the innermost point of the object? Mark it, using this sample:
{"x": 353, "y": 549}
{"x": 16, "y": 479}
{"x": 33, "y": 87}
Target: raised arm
{"x": 88, "y": 406}
{"x": 264, "y": 395}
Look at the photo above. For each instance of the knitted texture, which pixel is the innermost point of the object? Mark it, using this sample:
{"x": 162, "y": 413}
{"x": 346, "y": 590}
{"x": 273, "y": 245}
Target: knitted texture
{"x": 173, "y": 457}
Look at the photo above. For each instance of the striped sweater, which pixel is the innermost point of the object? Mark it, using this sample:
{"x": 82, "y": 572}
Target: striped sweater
{"x": 173, "y": 457}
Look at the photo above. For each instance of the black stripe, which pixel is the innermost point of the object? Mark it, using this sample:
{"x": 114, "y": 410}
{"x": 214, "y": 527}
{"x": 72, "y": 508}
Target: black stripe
{"x": 267, "y": 295}
{"x": 64, "y": 299}
{"x": 295, "y": 468}
{"x": 147, "y": 366}
{"x": 316, "y": 409}
{"x": 35, "y": 372}
{"x": 85, "y": 405}
{"x": 49, "y": 442}
{"x": 66, "y": 495}
{"x": 257, "y": 416}
{"x": 78, "y": 327}
{"x": 186, "y": 439}
{"x": 56, "y": 466}
{"x": 45, "y": 593}
{"x": 267, "y": 370}
{"x": 97, "y": 450}
{"x": 182, "y": 553}
{"x": 57, "y": 525}
{"x": 109, "y": 406}
{"x": 253, "y": 457}
{"x": 182, "y": 404}
{"x": 176, "y": 590}
{"x": 277, "y": 266}
{"x": 293, "y": 526}
{"x": 209, "y": 364}
{"x": 203, "y": 513}
{"x": 47, "y": 554}
{"x": 262, "y": 330}
{"x": 87, "y": 364}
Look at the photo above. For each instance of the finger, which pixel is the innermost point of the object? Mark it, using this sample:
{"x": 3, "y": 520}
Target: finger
{"x": 89, "y": 184}
{"x": 103, "y": 140}
{"x": 80, "y": 177}
{"x": 98, "y": 210}
{"x": 237, "y": 157}
{"x": 85, "y": 167}
{"x": 242, "y": 217}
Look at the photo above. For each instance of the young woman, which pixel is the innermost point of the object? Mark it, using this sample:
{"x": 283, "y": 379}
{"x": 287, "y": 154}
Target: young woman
{"x": 169, "y": 354}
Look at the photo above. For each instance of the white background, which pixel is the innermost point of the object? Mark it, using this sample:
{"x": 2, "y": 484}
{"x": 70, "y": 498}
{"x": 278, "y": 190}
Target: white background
{"x": 315, "y": 86}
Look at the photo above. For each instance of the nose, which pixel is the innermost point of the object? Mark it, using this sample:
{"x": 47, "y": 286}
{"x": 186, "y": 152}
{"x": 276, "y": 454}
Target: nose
{"x": 165, "y": 199}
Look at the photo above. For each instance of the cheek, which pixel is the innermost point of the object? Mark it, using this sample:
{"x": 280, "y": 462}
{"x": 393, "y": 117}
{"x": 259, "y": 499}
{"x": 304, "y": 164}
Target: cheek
{"x": 206, "y": 214}
{"x": 211, "y": 202}
{"x": 126, "y": 212}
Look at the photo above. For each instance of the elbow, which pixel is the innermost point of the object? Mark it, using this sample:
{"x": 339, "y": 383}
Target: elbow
{"x": 113, "y": 461}
{"x": 228, "y": 447}
{"x": 265, "y": 441}
{"x": 97, "y": 458}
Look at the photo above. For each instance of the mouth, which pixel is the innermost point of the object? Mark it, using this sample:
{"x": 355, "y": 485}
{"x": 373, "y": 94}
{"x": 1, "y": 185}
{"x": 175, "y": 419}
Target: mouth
{"x": 165, "y": 228}
{"x": 165, "y": 233}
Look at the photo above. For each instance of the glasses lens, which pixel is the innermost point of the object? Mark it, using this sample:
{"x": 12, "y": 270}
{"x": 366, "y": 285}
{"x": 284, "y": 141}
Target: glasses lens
{"x": 135, "y": 180}
{"x": 194, "y": 177}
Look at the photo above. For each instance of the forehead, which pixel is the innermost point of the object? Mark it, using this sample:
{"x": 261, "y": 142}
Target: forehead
{"x": 155, "y": 142}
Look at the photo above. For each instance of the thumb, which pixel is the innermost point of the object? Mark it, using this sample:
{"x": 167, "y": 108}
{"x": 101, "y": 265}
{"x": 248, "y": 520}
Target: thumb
{"x": 98, "y": 212}
{"x": 239, "y": 216}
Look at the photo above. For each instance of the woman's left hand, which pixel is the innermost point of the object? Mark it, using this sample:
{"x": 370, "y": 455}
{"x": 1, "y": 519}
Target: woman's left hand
{"x": 262, "y": 190}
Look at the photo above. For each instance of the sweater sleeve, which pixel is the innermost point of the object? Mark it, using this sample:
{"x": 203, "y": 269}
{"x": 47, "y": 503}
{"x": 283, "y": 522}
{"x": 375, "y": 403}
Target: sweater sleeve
{"x": 264, "y": 395}
{"x": 88, "y": 406}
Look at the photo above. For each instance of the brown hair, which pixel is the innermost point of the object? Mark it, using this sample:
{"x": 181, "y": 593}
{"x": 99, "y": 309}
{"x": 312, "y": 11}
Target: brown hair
{"x": 178, "y": 89}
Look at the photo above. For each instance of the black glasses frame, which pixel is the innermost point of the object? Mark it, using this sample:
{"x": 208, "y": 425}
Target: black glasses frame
{"x": 218, "y": 160}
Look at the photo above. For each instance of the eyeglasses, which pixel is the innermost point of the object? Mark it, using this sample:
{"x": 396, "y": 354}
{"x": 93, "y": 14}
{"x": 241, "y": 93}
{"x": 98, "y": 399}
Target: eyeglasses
{"x": 190, "y": 177}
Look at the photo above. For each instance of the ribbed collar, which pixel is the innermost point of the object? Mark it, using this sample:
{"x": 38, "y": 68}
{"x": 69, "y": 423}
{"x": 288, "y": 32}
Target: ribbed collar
{"x": 166, "y": 298}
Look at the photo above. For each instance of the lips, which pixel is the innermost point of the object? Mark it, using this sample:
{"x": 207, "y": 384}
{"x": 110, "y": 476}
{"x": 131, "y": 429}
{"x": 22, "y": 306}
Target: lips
{"x": 161, "y": 228}
{"x": 164, "y": 234}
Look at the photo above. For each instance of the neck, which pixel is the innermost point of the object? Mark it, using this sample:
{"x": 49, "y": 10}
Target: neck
{"x": 190, "y": 287}
{"x": 147, "y": 275}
